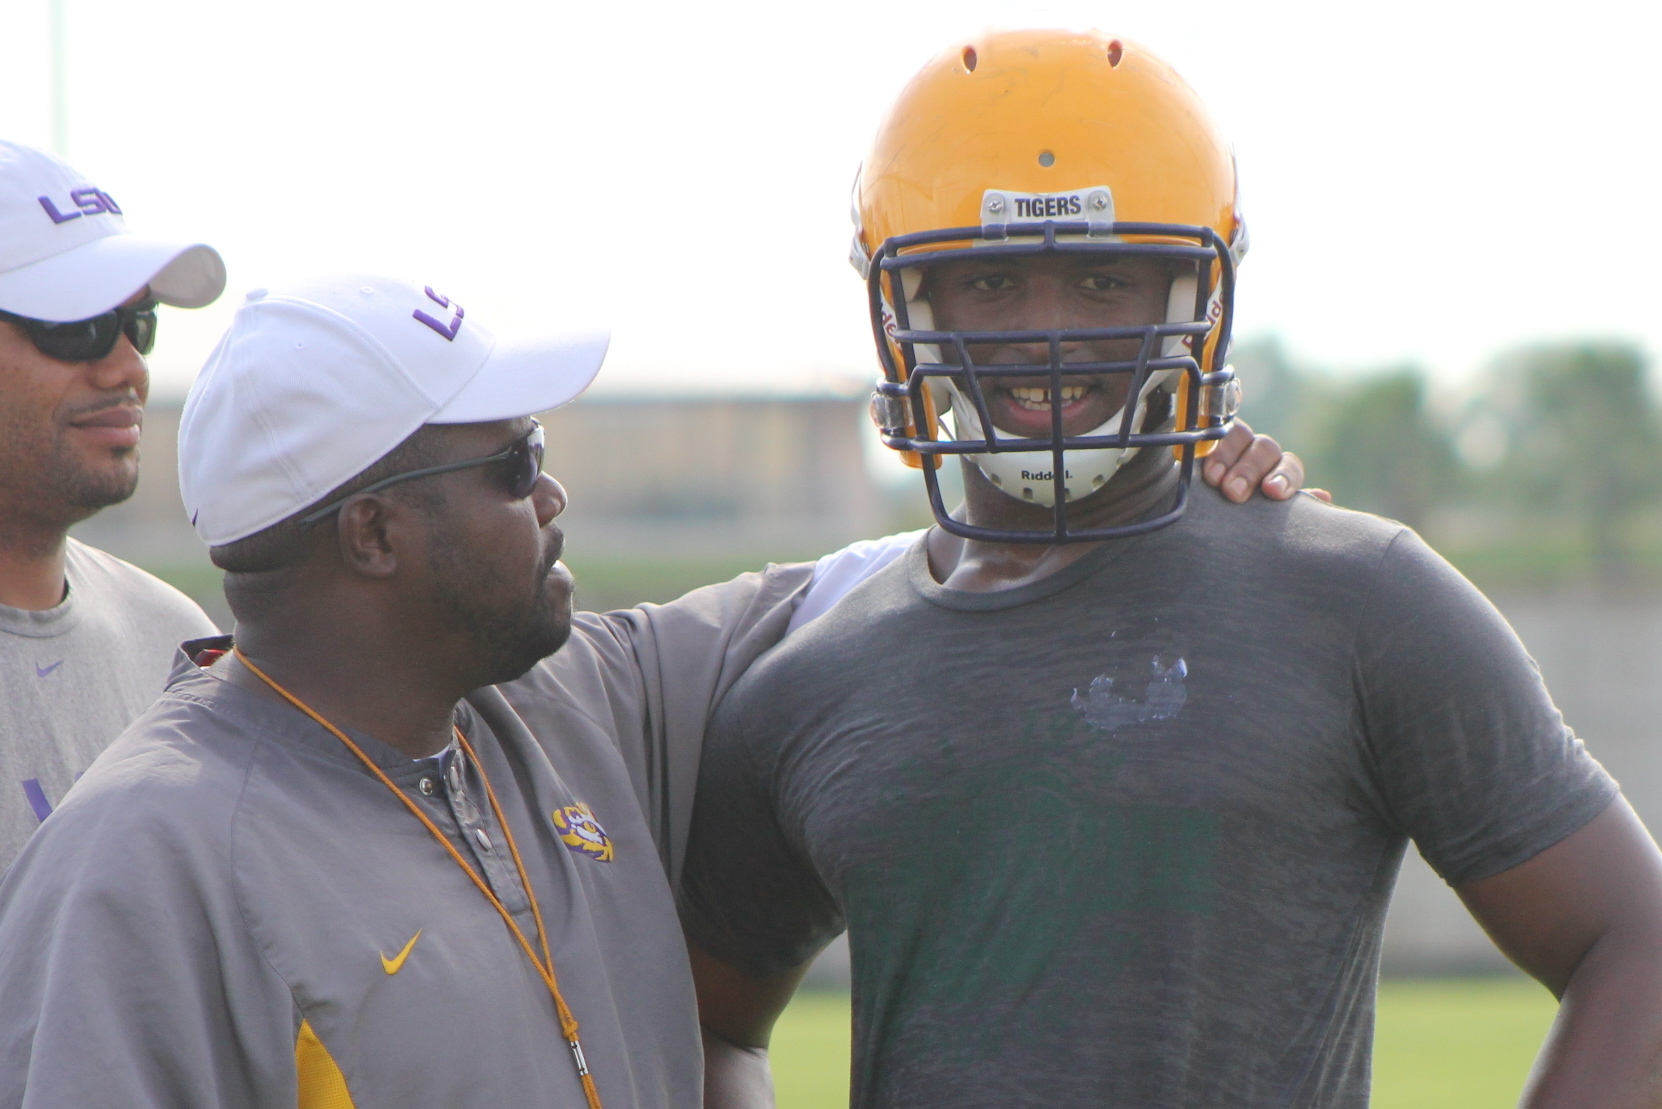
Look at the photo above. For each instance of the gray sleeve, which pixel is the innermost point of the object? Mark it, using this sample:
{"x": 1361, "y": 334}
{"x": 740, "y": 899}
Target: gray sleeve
{"x": 749, "y": 895}
{"x": 654, "y": 674}
{"x": 1467, "y": 753}
{"x": 127, "y": 984}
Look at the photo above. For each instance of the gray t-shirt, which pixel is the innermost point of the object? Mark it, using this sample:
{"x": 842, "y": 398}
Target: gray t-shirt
{"x": 1126, "y": 836}
{"x": 72, "y": 677}
{"x": 230, "y": 910}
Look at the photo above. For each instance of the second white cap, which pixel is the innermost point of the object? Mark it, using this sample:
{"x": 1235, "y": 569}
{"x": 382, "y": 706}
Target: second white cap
{"x": 66, "y": 254}
{"x": 314, "y": 383}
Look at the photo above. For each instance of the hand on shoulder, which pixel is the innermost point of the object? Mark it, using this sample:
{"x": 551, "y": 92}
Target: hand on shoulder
{"x": 1244, "y": 462}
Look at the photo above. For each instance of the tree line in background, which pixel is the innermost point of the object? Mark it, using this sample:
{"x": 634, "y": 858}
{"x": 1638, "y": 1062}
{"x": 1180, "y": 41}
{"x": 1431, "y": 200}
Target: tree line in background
{"x": 1541, "y": 473}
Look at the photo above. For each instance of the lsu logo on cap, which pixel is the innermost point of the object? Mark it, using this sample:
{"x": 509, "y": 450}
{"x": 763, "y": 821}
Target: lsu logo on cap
{"x": 448, "y": 330}
{"x": 82, "y": 202}
{"x": 582, "y": 833}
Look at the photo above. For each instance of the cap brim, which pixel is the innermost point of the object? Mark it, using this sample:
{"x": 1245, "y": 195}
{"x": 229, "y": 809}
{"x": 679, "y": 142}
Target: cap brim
{"x": 94, "y": 277}
{"x": 527, "y": 377}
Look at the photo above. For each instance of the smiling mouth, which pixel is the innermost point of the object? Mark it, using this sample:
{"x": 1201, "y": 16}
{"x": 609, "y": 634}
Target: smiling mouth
{"x": 118, "y": 426}
{"x": 1037, "y": 399}
{"x": 1025, "y": 411}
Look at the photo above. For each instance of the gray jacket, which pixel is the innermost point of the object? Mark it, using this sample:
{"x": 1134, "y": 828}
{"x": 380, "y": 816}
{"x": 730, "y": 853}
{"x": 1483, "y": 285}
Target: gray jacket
{"x": 228, "y": 890}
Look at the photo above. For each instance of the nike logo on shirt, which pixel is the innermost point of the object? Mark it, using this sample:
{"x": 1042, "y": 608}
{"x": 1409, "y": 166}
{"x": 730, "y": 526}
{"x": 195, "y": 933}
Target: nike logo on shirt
{"x": 42, "y": 671}
{"x": 394, "y": 965}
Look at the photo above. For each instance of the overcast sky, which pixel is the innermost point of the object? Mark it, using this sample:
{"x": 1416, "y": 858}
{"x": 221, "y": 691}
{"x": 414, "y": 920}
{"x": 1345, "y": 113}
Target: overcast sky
{"x": 1424, "y": 180}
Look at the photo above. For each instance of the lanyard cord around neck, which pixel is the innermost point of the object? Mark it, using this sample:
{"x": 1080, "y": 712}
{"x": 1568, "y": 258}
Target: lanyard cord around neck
{"x": 544, "y": 965}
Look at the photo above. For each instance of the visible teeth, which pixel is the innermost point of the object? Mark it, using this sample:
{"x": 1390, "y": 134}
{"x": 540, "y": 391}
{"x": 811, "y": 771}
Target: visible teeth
{"x": 1039, "y": 398}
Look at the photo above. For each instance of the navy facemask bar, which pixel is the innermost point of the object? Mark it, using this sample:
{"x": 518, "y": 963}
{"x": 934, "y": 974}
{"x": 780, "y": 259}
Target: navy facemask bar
{"x": 902, "y": 388}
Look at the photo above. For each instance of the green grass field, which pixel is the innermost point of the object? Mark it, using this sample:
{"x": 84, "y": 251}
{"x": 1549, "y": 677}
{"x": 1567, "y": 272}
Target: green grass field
{"x": 1442, "y": 1044}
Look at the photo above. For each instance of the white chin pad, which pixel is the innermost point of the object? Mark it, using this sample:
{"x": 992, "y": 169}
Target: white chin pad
{"x": 1027, "y": 475}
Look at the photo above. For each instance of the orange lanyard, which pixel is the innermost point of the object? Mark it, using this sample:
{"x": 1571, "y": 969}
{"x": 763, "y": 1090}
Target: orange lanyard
{"x": 544, "y": 965}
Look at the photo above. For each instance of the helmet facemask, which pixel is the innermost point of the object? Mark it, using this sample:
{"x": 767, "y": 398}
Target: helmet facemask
{"x": 1049, "y": 147}
{"x": 934, "y": 397}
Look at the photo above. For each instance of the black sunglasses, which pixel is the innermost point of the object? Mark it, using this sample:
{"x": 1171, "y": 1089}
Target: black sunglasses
{"x": 523, "y": 466}
{"x": 90, "y": 340}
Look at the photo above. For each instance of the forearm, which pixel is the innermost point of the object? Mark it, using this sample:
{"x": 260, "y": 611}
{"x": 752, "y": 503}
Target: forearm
{"x": 1604, "y": 1049}
{"x": 735, "y": 1077}
{"x": 1584, "y": 918}
{"x": 736, "y": 1013}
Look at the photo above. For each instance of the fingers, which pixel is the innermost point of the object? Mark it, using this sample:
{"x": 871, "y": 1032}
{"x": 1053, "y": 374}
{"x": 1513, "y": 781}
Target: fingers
{"x": 1263, "y": 460}
{"x": 1243, "y": 461}
{"x": 1285, "y": 478}
{"x": 1227, "y": 453}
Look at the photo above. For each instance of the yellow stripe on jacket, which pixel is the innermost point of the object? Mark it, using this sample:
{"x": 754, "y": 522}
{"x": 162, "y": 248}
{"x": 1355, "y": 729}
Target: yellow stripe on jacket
{"x": 322, "y": 1085}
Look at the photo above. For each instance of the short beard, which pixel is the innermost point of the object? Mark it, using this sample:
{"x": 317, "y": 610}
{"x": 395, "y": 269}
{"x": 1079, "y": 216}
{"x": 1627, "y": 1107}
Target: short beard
{"x": 89, "y": 491}
{"x": 56, "y": 490}
{"x": 508, "y": 639}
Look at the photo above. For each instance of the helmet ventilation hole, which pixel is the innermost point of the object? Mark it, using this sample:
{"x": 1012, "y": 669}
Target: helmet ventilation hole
{"x": 969, "y": 59}
{"x": 1116, "y": 50}
{"x": 1046, "y": 159}
{"x": 1097, "y": 482}
{"x": 998, "y": 481}
{"x": 1026, "y": 493}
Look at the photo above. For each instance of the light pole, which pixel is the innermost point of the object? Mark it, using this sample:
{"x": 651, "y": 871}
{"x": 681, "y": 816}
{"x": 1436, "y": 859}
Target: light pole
{"x": 60, "y": 78}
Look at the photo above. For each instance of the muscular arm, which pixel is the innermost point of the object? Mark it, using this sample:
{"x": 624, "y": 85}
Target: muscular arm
{"x": 736, "y": 1013}
{"x": 1584, "y": 917}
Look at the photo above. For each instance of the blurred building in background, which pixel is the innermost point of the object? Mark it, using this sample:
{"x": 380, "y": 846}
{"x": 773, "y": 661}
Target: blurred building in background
{"x": 707, "y": 477}
{"x": 1539, "y": 489}
{"x": 665, "y": 495}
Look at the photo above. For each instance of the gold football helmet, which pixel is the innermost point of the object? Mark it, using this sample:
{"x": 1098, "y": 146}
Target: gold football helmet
{"x": 1060, "y": 143}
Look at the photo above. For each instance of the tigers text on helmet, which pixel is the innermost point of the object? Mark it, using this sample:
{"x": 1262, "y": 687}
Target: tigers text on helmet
{"x": 1050, "y": 148}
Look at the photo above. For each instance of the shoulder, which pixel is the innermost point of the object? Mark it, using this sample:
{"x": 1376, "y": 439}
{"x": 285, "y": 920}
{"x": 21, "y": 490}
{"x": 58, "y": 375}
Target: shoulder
{"x": 699, "y": 629}
{"x": 166, "y": 789}
{"x": 840, "y": 571}
{"x": 126, "y": 897}
{"x": 1333, "y": 579}
{"x": 105, "y": 581}
{"x": 830, "y": 655}
{"x": 735, "y": 604}
{"x": 1308, "y": 572}
{"x": 1310, "y": 533}
{"x": 1320, "y": 542}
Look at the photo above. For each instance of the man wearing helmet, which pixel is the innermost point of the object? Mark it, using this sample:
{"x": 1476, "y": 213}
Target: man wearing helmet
{"x": 1110, "y": 786}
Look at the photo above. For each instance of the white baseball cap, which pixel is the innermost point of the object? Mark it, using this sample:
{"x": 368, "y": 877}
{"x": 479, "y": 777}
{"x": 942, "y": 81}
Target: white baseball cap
{"x": 66, "y": 254}
{"x": 314, "y": 383}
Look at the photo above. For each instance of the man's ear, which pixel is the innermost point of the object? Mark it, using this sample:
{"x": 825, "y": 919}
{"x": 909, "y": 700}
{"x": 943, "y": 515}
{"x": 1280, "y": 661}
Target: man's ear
{"x": 372, "y": 534}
